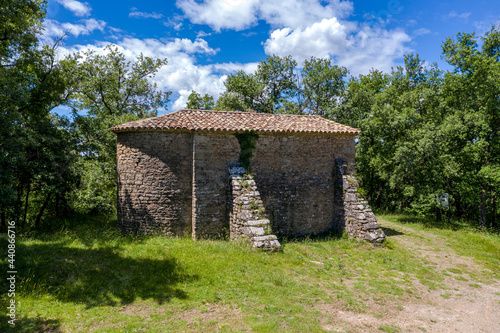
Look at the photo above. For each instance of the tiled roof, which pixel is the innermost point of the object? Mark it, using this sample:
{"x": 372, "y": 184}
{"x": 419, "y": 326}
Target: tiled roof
{"x": 235, "y": 121}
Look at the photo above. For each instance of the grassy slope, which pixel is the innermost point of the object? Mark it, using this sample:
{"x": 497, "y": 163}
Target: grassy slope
{"x": 87, "y": 277}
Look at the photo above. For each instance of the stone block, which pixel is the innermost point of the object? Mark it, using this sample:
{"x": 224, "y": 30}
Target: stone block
{"x": 258, "y": 222}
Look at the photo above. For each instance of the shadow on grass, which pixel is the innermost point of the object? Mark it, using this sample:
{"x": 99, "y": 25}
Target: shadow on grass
{"x": 88, "y": 229}
{"x": 30, "y": 325}
{"x": 331, "y": 235}
{"x": 391, "y": 232}
{"x": 428, "y": 221}
{"x": 95, "y": 277}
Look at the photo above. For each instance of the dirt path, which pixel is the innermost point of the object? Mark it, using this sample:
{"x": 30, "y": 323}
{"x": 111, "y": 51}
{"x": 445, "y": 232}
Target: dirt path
{"x": 464, "y": 305}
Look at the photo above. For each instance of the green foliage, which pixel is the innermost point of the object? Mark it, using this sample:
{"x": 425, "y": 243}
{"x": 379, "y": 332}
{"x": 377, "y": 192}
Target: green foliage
{"x": 425, "y": 132}
{"x": 322, "y": 85}
{"x": 107, "y": 91}
{"x": 35, "y": 146}
{"x": 247, "y": 142}
{"x": 276, "y": 87}
{"x": 230, "y": 101}
{"x": 21, "y": 21}
{"x": 196, "y": 101}
{"x": 266, "y": 90}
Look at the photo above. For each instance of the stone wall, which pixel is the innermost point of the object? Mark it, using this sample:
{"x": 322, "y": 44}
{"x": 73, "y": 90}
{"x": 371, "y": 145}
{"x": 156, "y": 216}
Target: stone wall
{"x": 154, "y": 182}
{"x": 248, "y": 218}
{"x": 295, "y": 175}
{"x": 352, "y": 208}
{"x": 179, "y": 184}
{"x": 212, "y": 156}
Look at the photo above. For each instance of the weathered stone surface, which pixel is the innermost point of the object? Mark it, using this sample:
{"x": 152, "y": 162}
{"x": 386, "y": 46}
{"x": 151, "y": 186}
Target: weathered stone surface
{"x": 295, "y": 176}
{"x": 360, "y": 222}
{"x": 253, "y": 231}
{"x": 263, "y": 238}
{"x": 213, "y": 156}
{"x": 371, "y": 225}
{"x": 179, "y": 183}
{"x": 258, "y": 222}
{"x": 154, "y": 183}
{"x": 248, "y": 221}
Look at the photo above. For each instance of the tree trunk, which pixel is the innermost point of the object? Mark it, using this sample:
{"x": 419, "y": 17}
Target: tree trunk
{"x": 26, "y": 201}
{"x": 42, "y": 209}
{"x": 57, "y": 205}
{"x": 493, "y": 211}
{"x": 3, "y": 226}
{"x": 482, "y": 218}
{"x": 458, "y": 206}
{"x": 18, "y": 206}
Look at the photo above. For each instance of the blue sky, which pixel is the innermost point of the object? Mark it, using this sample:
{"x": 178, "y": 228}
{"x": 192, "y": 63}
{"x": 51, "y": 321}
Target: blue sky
{"x": 204, "y": 41}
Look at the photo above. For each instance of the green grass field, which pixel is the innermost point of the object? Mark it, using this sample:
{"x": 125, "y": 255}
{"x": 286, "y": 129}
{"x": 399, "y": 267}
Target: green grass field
{"x": 83, "y": 276}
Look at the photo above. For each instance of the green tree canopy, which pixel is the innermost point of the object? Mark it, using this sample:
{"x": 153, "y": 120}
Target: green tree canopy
{"x": 107, "y": 90}
{"x": 196, "y": 101}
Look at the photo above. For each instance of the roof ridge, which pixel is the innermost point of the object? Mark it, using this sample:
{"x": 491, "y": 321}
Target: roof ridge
{"x": 253, "y": 113}
{"x": 236, "y": 121}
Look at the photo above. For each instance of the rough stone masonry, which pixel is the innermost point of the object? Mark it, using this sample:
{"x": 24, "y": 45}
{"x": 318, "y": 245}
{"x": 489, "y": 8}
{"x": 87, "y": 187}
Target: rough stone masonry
{"x": 174, "y": 176}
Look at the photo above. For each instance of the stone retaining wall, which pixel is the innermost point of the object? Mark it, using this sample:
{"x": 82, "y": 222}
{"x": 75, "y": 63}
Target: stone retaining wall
{"x": 353, "y": 209}
{"x": 248, "y": 216}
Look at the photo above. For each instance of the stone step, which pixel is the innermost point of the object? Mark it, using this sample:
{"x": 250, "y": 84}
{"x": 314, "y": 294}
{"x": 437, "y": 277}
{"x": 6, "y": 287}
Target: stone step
{"x": 253, "y": 231}
{"x": 258, "y": 222}
{"x": 263, "y": 238}
{"x": 266, "y": 243}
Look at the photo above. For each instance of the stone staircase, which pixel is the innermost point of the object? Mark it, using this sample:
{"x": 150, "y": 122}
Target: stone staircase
{"x": 248, "y": 216}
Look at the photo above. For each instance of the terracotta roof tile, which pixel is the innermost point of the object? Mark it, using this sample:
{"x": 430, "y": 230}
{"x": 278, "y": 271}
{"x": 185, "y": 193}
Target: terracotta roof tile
{"x": 235, "y": 121}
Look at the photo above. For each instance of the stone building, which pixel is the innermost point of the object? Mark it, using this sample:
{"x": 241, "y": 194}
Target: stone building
{"x": 176, "y": 176}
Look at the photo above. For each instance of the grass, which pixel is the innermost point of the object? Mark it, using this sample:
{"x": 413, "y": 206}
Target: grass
{"x": 464, "y": 239}
{"x": 83, "y": 276}
{"x": 390, "y": 328}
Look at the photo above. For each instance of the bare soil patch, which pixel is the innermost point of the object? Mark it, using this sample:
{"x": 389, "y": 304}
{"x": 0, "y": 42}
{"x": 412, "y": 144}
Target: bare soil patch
{"x": 460, "y": 304}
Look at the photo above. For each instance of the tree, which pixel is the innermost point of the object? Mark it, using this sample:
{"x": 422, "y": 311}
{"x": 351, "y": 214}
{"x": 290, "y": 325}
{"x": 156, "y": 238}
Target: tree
{"x": 322, "y": 85}
{"x": 230, "y": 101}
{"x": 400, "y": 157}
{"x": 196, "y": 101}
{"x": 31, "y": 85}
{"x": 21, "y": 22}
{"x": 472, "y": 96}
{"x": 107, "y": 90}
{"x": 268, "y": 89}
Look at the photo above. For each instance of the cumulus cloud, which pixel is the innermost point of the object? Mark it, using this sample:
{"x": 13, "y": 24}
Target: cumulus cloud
{"x": 242, "y": 14}
{"x": 78, "y": 8}
{"x": 359, "y": 48}
{"x": 182, "y": 73}
{"x": 55, "y": 29}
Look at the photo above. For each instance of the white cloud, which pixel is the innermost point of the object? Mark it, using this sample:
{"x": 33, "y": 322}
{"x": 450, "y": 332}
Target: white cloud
{"x": 202, "y": 33}
{"x": 357, "y": 48}
{"x": 182, "y": 74}
{"x": 322, "y": 39}
{"x": 78, "y": 8}
{"x": 242, "y": 14}
{"x": 421, "y": 32}
{"x": 174, "y": 22}
{"x": 454, "y": 15}
{"x": 136, "y": 14}
{"x": 56, "y": 29}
